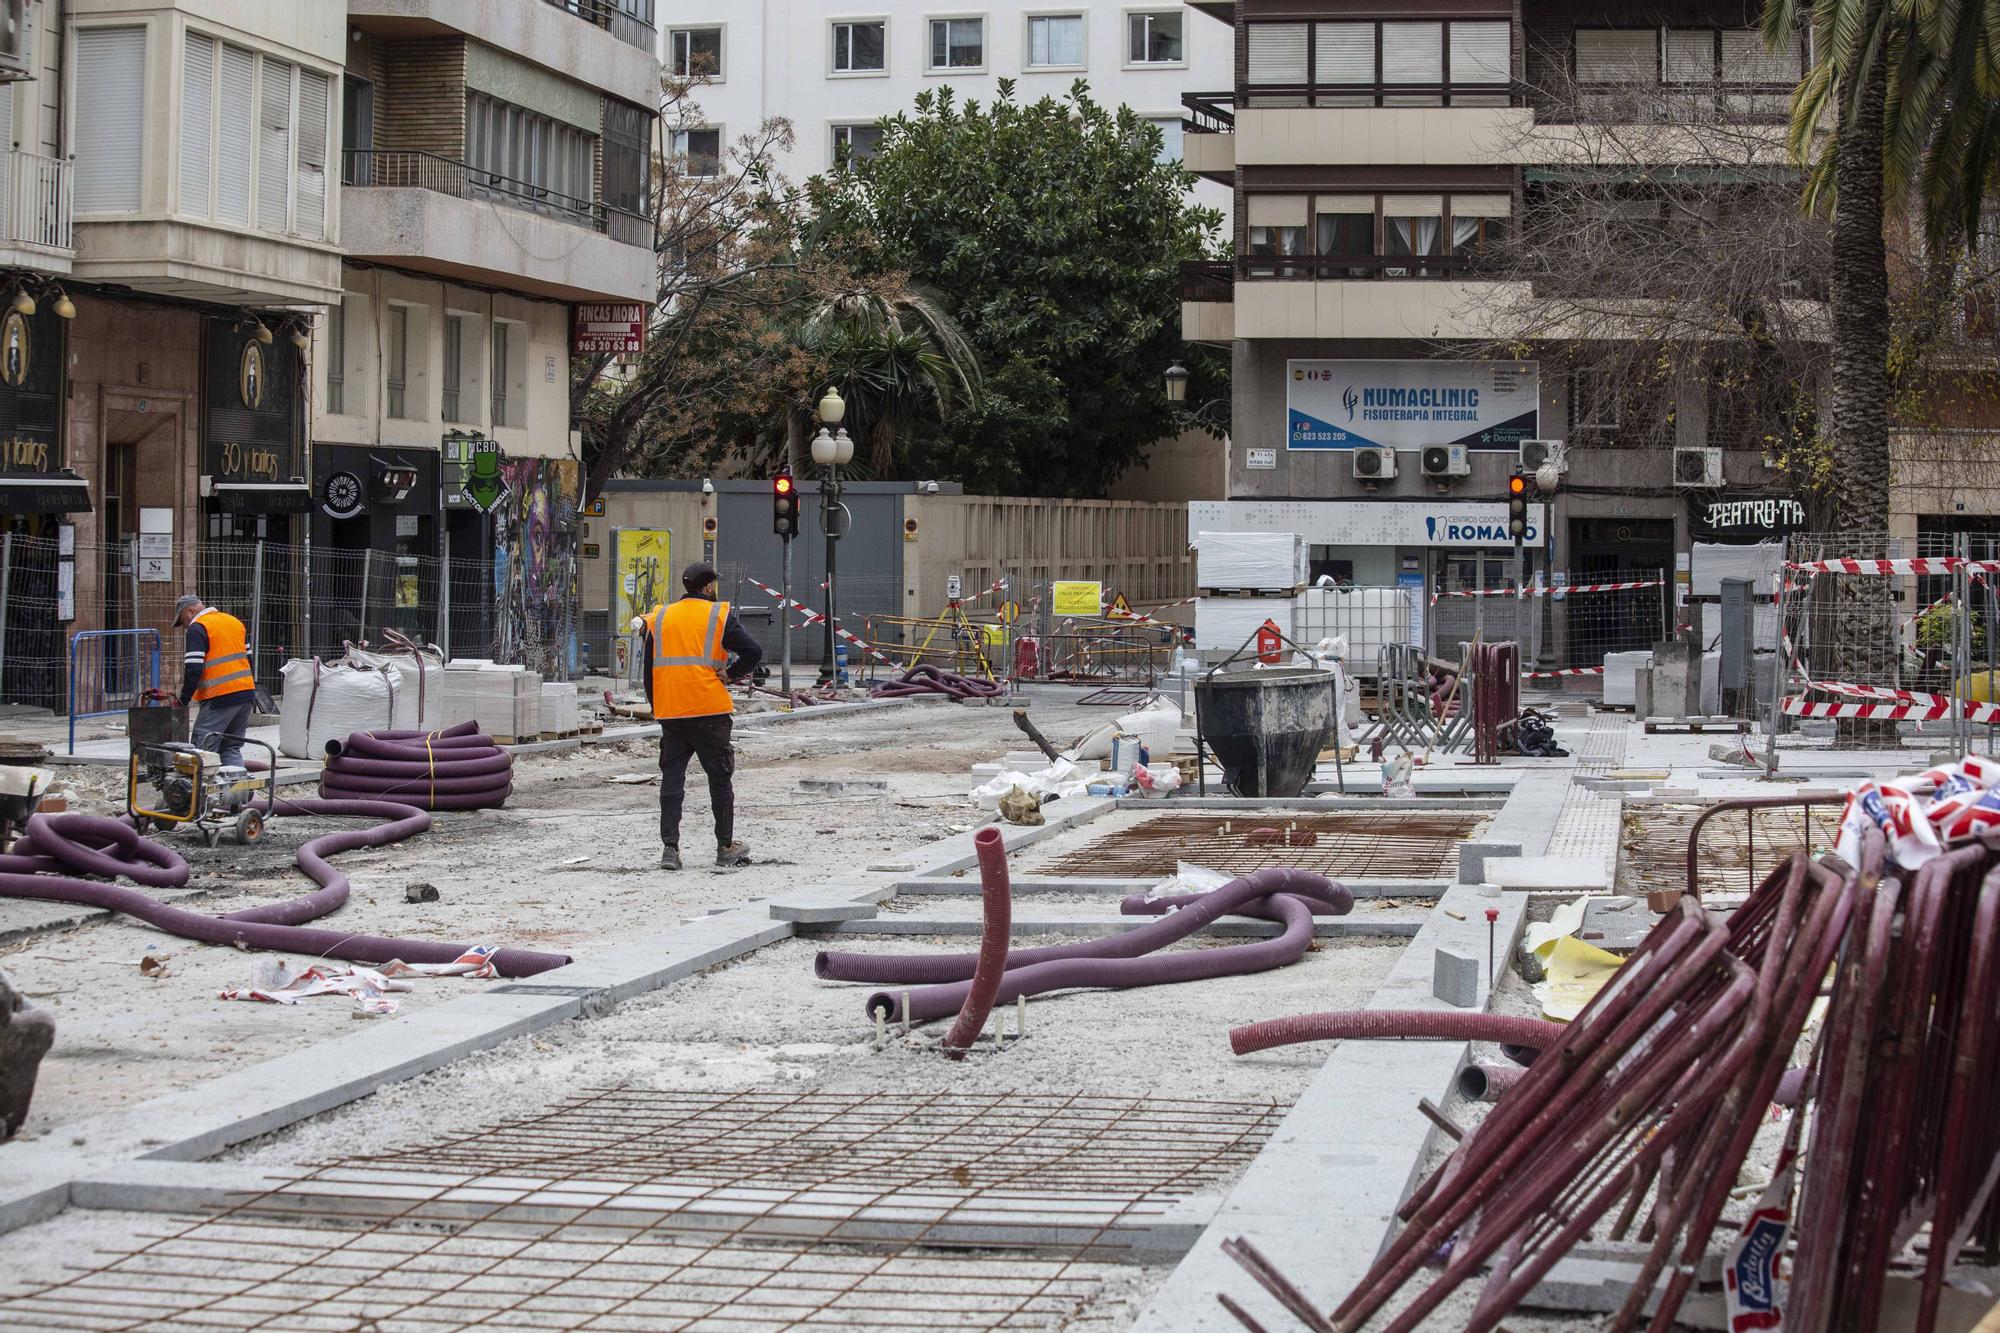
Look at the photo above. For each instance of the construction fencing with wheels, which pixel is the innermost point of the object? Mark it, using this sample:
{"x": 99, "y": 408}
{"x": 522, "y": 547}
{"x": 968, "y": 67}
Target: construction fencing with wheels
{"x": 1566, "y": 627}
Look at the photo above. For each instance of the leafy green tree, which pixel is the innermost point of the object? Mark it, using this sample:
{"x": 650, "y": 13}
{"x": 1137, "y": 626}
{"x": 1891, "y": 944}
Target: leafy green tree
{"x": 1055, "y": 235}
{"x": 895, "y": 356}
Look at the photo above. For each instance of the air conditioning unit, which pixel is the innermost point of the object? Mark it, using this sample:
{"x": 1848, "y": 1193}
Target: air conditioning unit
{"x": 1373, "y": 464}
{"x": 1446, "y": 460}
{"x": 17, "y": 40}
{"x": 1537, "y": 454}
{"x": 1697, "y": 468}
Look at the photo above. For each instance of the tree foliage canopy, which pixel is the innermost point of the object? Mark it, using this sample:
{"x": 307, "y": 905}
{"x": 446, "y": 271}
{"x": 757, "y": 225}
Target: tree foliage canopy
{"x": 1053, "y": 235}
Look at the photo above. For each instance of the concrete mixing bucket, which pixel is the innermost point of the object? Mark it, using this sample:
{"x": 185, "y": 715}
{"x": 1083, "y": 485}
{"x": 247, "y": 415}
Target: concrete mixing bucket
{"x": 1266, "y": 727}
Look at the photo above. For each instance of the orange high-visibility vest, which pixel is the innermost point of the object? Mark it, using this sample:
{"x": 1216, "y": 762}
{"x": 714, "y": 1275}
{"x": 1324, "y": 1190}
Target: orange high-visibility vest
{"x": 687, "y": 652}
{"x": 226, "y": 669}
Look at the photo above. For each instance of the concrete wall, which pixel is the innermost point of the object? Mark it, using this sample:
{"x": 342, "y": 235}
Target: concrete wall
{"x": 1191, "y": 466}
{"x": 538, "y": 328}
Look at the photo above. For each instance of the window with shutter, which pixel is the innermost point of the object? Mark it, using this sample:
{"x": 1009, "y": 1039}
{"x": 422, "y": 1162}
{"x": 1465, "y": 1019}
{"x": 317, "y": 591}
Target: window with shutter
{"x": 315, "y": 92}
{"x": 197, "y": 124}
{"x": 1745, "y": 59}
{"x": 1277, "y": 53}
{"x": 1344, "y": 53}
{"x": 274, "y": 148}
{"x": 1617, "y": 55}
{"x": 1690, "y": 56}
{"x": 110, "y": 141}
{"x": 1413, "y": 53}
{"x": 1481, "y": 52}
{"x": 235, "y": 134}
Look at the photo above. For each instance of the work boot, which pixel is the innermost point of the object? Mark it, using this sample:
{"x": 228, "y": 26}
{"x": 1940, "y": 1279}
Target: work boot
{"x": 735, "y": 854}
{"x": 670, "y": 859}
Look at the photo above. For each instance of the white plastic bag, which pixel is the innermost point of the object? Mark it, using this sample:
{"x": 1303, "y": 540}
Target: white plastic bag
{"x": 1187, "y": 878}
{"x": 1060, "y": 779}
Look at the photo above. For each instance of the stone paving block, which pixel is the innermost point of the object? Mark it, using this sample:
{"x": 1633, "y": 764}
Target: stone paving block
{"x": 1455, "y": 978}
{"x": 1567, "y": 874}
{"x": 1476, "y": 859}
{"x": 818, "y": 913}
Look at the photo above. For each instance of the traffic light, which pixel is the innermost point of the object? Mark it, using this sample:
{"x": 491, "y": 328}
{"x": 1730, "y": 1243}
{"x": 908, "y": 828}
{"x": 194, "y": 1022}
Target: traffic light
{"x": 784, "y": 506}
{"x": 1517, "y": 506}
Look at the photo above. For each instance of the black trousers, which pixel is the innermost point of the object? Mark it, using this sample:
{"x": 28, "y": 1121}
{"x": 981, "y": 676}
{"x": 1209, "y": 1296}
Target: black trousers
{"x": 706, "y": 739}
{"x": 223, "y": 722}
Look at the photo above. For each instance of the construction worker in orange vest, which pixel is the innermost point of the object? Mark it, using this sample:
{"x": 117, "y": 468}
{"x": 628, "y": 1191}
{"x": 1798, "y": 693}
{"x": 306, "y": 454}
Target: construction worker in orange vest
{"x": 217, "y": 673}
{"x": 695, "y": 648}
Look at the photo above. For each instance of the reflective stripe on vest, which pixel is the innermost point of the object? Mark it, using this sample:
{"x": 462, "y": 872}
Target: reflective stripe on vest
{"x": 685, "y": 684}
{"x": 226, "y": 669}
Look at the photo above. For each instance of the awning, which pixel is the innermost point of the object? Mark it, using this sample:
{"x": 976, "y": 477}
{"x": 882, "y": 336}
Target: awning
{"x": 53, "y": 493}
{"x": 261, "y": 497}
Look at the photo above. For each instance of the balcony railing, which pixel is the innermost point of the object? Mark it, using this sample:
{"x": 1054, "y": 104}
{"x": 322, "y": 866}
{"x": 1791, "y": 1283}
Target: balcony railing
{"x": 409, "y": 169}
{"x": 35, "y": 200}
{"x": 1215, "y": 279}
{"x": 1209, "y": 113}
{"x": 632, "y": 21}
{"x": 1208, "y": 280}
{"x": 1283, "y": 95}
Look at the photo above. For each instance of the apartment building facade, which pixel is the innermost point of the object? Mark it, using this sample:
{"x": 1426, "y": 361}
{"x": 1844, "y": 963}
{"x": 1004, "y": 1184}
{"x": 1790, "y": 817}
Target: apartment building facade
{"x": 1377, "y": 153}
{"x": 272, "y": 273}
{"x": 834, "y": 73}
{"x": 495, "y": 164}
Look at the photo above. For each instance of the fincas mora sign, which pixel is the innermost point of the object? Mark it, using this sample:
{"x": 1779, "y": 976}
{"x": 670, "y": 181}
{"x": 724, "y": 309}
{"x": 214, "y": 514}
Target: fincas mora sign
{"x": 615, "y": 329}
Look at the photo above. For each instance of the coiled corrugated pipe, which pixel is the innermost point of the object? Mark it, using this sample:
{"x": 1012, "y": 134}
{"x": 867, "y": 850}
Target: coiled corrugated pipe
{"x": 927, "y": 679}
{"x": 1125, "y": 973}
{"x": 1392, "y": 1024}
{"x": 933, "y": 969}
{"x": 458, "y": 768}
{"x": 995, "y": 932}
{"x": 43, "y": 861}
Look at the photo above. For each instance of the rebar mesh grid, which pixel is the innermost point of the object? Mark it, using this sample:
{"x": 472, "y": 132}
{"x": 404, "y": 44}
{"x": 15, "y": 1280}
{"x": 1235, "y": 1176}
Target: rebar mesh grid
{"x": 1738, "y": 847}
{"x": 658, "y": 1210}
{"x": 1380, "y": 845}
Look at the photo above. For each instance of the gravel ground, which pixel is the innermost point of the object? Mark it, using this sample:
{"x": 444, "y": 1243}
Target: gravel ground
{"x": 506, "y": 877}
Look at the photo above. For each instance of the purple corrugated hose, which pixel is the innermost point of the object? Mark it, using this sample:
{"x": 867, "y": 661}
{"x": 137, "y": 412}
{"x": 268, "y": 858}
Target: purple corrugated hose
{"x": 454, "y": 769}
{"x": 934, "y": 969}
{"x": 55, "y": 847}
{"x": 995, "y": 933}
{"x": 927, "y": 679}
{"x": 1390, "y": 1024}
{"x": 1125, "y": 973}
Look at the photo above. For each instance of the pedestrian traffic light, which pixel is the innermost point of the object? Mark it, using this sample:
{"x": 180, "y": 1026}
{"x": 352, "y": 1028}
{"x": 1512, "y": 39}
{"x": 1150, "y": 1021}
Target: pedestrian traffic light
{"x": 1517, "y": 506}
{"x": 784, "y": 506}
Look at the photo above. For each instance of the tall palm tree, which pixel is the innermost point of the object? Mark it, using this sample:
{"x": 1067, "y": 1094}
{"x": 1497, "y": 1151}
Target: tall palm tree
{"x": 1895, "y": 116}
{"x": 893, "y": 352}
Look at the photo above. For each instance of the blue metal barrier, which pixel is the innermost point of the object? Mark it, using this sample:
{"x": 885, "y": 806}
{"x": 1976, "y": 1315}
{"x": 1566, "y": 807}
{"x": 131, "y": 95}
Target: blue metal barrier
{"x": 109, "y": 671}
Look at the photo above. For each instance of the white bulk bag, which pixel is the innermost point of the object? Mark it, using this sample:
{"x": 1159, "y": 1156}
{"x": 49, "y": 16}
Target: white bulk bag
{"x": 326, "y": 701}
{"x": 419, "y": 686}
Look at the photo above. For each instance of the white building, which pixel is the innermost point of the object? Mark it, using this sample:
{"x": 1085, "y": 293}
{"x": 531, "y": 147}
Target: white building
{"x": 834, "y": 75}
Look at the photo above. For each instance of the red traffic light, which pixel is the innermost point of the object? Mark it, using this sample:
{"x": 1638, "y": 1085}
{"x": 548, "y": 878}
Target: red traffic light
{"x": 782, "y": 484}
{"x": 1517, "y": 484}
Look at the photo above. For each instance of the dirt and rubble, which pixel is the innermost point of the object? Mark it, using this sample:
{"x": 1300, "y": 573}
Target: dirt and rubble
{"x": 569, "y": 865}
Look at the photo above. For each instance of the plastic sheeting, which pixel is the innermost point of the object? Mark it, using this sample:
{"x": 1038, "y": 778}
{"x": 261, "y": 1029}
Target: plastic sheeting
{"x": 1269, "y": 560}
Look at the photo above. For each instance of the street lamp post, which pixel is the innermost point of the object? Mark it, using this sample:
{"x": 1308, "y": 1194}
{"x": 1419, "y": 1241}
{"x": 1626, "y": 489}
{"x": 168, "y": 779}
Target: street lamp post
{"x": 831, "y": 448}
{"x": 1177, "y": 377}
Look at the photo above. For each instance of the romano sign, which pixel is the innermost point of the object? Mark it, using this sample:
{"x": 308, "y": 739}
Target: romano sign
{"x": 1411, "y": 404}
{"x": 1747, "y": 518}
{"x": 1366, "y": 523}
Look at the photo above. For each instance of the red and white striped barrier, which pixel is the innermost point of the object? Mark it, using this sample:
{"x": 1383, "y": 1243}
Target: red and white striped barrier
{"x": 1115, "y": 614}
{"x": 1562, "y": 671}
{"x": 813, "y": 617}
{"x": 1923, "y": 565}
{"x": 1891, "y": 712}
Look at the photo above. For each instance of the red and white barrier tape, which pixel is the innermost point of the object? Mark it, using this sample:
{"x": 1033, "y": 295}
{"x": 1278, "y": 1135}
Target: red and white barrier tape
{"x": 1115, "y": 614}
{"x": 1550, "y": 590}
{"x": 1923, "y": 565}
{"x": 1563, "y": 671}
{"x": 819, "y": 618}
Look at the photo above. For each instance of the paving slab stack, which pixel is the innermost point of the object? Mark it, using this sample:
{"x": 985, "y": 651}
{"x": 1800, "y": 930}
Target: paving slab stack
{"x": 1246, "y": 578}
{"x": 506, "y": 701}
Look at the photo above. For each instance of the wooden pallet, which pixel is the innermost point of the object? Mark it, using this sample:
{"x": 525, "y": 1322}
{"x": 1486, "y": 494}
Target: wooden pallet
{"x": 1253, "y": 592}
{"x": 1697, "y": 725}
{"x": 1618, "y": 708}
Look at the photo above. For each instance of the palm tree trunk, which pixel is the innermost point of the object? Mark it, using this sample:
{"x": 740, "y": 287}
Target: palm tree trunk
{"x": 1860, "y": 397}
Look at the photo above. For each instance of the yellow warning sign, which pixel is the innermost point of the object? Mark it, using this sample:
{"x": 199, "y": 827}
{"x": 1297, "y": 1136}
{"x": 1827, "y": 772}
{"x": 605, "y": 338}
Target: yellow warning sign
{"x": 1077, "y": 599}
{"x": 1120, "y": 605}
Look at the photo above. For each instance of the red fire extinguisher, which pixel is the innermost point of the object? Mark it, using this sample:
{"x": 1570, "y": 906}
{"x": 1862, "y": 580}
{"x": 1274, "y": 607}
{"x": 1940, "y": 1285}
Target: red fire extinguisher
{"x": 1270, "y": 643}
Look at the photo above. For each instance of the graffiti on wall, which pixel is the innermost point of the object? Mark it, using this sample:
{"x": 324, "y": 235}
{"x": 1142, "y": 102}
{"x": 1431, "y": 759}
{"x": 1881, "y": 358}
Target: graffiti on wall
{"x": 535, "y": 533}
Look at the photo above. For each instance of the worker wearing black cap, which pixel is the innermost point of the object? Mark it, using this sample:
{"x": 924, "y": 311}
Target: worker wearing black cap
{"x": 696, "y": 648}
